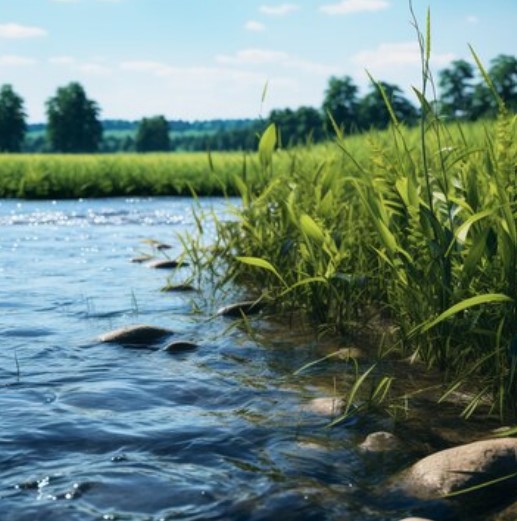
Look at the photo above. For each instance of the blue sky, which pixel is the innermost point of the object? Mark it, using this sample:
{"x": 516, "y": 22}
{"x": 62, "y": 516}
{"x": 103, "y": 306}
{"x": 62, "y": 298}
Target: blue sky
{"x": 204, "y": 59}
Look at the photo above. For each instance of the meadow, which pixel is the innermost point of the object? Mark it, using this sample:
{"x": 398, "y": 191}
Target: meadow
{"x": 60, "y": 176}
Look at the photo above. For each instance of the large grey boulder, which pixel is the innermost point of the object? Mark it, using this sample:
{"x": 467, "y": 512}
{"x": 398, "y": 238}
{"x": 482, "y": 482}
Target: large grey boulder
{"x": 139, "y": 335}
{"x": 460, "y": 468}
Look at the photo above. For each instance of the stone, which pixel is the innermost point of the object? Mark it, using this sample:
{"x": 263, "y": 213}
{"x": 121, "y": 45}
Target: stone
{"x": 381, "y": 442}
{"x": 179, "y": 287}
{"x": 164, "y": 264}
{"x": 326, "y": 406}
{"x": 180, "y": 346}
{"x": 462, "y": 467}
{"x": 141, "y": 259}
{"x": 345, "y": 353}
{"x": 508, "y": 514}
{"x": 248, "y": 307}
{"x": 136, "y": 336}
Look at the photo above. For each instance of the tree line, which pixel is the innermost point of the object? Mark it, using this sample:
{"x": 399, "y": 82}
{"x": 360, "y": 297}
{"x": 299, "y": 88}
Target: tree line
{"x": 73, "y": 120}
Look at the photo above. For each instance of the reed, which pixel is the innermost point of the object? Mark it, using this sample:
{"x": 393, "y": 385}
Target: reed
{"x": 419, "y": 226}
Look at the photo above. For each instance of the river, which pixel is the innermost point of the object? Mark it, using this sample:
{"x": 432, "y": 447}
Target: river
{"x": 95, "y": 431}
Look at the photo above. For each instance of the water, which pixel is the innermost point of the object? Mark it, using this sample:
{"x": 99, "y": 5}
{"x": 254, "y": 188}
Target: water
{"x": 92, "y": 431}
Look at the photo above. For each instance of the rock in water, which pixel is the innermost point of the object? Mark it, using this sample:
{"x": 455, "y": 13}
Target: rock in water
{"x": 326, "y": 406}
{"x": 141, "y": 259}
{"x": 180, "y": 346}
{"x": 165, "y": 264}
{"x": 248, "y": 307}
{"x": 380, "y": 442}
{"x": 178, "y": 287}
{"x": 465, "y": 466}
{"x": 136, "y": 336}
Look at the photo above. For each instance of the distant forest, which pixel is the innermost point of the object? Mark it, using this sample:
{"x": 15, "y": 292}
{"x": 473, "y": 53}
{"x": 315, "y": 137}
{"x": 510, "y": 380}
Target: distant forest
{"x": 120, "y": 135}
{"x": 74, "y": 126}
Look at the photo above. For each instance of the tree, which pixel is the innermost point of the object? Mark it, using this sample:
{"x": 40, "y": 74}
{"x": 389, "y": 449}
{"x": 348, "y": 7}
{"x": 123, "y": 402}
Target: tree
{"x": 12, "y": 120}
{"x": 153, "y": 135}
{"x": 340, "y": 101}
{"x": 457, "y": 89}
{"x": 73, "y": 124}
{"x": 503, "y": 72}
{"x": 373, "y": 112}
{"x": 298, "y": 126}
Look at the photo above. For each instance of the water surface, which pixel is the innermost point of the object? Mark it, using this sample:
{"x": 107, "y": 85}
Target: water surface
{"x": 92, "y": 431}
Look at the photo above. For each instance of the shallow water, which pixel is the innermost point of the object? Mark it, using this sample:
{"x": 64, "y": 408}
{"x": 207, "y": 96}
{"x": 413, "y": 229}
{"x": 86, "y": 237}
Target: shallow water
{"x": 92, "y": 431}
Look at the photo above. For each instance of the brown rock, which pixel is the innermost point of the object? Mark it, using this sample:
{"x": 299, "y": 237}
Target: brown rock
{"x": 136, "y": 336}
{"x": 381, "y": 442}
{"x": 180, "y": 346}
{"x": 164, "y": 264}
{"x": 179, "y": 287}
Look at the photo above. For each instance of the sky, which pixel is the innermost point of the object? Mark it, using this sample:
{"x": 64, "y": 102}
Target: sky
{"x": 208, "y": 59}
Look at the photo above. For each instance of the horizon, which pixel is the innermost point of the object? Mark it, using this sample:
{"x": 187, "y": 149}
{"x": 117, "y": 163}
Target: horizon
{"x": 139, "y": 60}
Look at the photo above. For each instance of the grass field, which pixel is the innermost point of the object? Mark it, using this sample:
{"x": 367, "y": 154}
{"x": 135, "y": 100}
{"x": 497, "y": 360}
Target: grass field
{"x": 72, "y": 176}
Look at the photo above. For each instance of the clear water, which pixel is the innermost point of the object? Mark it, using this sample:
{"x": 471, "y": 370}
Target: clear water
{"x": 92, "y": 431}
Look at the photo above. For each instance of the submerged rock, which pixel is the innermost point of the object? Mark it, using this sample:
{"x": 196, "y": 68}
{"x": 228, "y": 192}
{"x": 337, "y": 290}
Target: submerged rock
{"x": 462, "y": 467}
{"x": 381, "y": 442}
{"x": 326, "y": 406}
{"x": 247, "y": 307}
{"x": 179, "y": 287}
{"x": 136, "y": 336}
{"x": 166, "y": 264}
{"x": 141, "y": 259}
{"x": 180, "y": 346}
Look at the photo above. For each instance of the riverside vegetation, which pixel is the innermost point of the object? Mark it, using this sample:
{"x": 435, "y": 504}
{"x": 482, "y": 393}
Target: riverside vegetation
{"x": 416, "y": 227}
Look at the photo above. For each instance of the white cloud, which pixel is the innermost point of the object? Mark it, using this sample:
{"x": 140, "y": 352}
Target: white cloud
{"x": 388, "y": 55}
{"x": 62, "y": 60}
{"x": 253, "y": 56}
{"x": 15, "y": 61}
{"x": 354, "y": 6}
{"x": 152, "y": 67}
{"x": 471, "y": 19}
{"x": 13, "y": 30}
{"x": 278, "y": 10}
{"x": 252, "y": 25}
{"x": 278, "y": 58}
{"x": 94, "y": 69}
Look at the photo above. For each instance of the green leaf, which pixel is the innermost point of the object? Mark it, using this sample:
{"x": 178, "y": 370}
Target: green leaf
{"x": 463, "y": 230}
{"x": 267, "y": 145}
{"x": 261, "y": 263}
{"x": 310, "y": 228}
{"x": 489, "y": 298}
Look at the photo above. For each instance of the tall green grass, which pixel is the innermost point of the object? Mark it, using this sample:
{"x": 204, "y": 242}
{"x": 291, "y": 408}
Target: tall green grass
{"x": 417, "y": 226}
